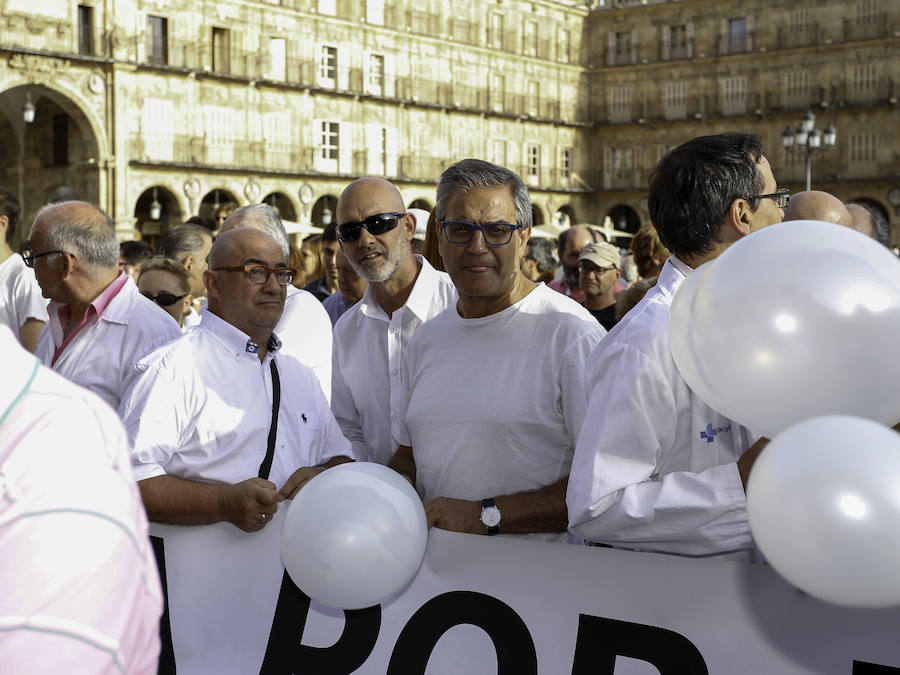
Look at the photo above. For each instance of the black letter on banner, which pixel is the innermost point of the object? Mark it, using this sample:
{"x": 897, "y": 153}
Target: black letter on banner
{"x": 600, "y": 640}
{"x": 512, "y": 641}
{"x": 863, "y": 668}
{"x": 285, "y": 654}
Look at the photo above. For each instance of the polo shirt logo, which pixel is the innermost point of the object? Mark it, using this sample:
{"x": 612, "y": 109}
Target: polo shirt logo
{"x": 711, "y": 432}
{"x": 252, "y": 347}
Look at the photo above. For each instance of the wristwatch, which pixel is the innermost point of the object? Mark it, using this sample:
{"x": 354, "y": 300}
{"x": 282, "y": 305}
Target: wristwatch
{"x": 490, "y": 516}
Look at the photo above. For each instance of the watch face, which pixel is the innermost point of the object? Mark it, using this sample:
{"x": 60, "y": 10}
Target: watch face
{"x": 490, "y": 516}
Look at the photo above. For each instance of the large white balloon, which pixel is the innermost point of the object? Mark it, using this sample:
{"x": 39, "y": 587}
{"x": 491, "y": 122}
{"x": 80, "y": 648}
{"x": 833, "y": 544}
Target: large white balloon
{"x": 823, "y": 502}
{"x": 354, "y": 535}
{"x": 798, "y": 320}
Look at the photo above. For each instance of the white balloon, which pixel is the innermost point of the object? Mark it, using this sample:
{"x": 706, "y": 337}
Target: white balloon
{"x": 681, "y": 328}
{"x": 823, "y": 502}
{"x": 798, "y": 320}
{"x": 354, "y": 535}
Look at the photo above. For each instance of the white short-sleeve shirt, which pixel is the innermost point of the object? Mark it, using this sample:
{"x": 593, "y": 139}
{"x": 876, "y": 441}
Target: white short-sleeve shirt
{"x": 492, "y": 406}
{"x": 20, "y": 295}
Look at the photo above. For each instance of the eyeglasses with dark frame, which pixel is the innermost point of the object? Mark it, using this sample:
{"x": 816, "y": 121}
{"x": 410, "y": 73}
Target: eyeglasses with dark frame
{"x": 584, "y": 269}
{"x": 780, "y": 197}
{"x": 164, "y": 299}
{"x": 30, "y": 256}
{"x": 375, "y": 225}
{"x": 462, "y": 232}
{"x": 259, "y": 274}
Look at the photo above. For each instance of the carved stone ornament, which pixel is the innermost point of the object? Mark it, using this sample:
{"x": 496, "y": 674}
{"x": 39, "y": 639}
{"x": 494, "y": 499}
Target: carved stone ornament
{"x": 252, "y": 190}
{"x": 191, "y": 188}
{"x": 38, "y": 69}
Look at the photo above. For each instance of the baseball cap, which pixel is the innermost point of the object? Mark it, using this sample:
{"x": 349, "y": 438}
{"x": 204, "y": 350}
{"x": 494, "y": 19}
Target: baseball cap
{"x": 602, "y": 255}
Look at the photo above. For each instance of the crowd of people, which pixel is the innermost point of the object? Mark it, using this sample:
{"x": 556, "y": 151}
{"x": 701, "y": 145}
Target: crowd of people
{"x": 523, "y": 385}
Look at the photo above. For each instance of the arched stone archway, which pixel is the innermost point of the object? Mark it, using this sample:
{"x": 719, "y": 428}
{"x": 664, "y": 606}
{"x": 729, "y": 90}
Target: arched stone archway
{"x": 537, "y": 216}
{"x": 624, "y": 219}
{"x": 421, "y": 203}
{"x": 170, "y": 213}
{"x": 283, "y": 204}
{"x": 213, "y": 199}
{"x": 324, "y": 211}
{"x": 565, "y": 215}
{"x": 58, "y": 148}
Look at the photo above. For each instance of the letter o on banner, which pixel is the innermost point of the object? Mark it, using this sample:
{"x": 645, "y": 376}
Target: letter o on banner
{"x": 512, "y": 641}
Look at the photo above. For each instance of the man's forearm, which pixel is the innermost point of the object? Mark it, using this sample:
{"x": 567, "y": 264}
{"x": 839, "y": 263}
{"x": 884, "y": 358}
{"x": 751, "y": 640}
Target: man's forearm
{"x": 176, "y": 501}
{"x": 403, "y": 463}
{"x": 542, "y": 510}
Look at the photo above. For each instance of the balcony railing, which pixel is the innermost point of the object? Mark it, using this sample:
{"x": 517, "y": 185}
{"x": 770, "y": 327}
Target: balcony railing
{"x": 871, "y": 28}
{"x": 803, "y": 35}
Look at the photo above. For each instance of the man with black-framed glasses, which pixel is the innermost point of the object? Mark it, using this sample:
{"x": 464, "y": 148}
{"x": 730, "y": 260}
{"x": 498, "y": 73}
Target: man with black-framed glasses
{"x": 493, "y": 387}
{"x": 370, "y": 338}
{"x": 99, "y": 324}
{"x": 224, "y": 428}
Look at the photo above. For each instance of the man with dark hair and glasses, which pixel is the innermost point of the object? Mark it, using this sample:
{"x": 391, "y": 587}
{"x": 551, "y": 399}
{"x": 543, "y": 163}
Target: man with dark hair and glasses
{"x": 656, "y": 468}
{"x": 99, "y": 324}
{"x": 370, "y": 338}
{"x": 22, "y": 308}
{"x": 493, "y": 387}
{"x": 223, "y": 430}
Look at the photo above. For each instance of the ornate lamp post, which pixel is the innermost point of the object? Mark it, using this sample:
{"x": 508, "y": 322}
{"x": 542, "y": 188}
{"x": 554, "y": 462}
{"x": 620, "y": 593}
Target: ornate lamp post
{"x": 808, "y": 139}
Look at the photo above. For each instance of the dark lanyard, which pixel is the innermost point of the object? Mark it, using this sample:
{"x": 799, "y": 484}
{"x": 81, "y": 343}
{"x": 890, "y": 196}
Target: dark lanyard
{"x": 266, "y": 465}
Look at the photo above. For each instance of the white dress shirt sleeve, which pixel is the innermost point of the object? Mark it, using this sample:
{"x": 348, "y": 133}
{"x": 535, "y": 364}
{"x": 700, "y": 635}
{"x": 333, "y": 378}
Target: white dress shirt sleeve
{"x": 344, "y": 409}
{"x": 615, "y": 495}
{"x": 333, "y": 442}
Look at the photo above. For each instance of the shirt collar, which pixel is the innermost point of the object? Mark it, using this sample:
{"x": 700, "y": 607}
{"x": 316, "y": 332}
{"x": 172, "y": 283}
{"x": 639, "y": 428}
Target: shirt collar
{"x": 420, "y": 297}
{"x": 233, "y": 338}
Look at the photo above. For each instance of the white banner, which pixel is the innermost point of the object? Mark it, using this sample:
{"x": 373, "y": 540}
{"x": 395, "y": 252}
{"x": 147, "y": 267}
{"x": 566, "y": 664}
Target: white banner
{"x": 484, "y": 605}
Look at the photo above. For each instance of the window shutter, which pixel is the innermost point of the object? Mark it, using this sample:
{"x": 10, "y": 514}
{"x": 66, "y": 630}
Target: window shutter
{"x": 666, "y": 42}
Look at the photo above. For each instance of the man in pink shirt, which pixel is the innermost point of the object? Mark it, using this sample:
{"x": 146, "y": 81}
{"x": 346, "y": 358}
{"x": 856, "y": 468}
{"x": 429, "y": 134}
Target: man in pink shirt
{"x": 99, "y": 324}
{"x": 570, "y": 244}
{"x": 79, "y": 590}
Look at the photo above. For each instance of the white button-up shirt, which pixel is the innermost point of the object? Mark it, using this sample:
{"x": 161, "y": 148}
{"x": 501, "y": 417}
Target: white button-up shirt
{"x": 202, "y": 407}
{"x": 305, "y": 332}
{"x": 369, "y": 347}
{"x": 101, "y": 357}
{"x": 655, "y": 468}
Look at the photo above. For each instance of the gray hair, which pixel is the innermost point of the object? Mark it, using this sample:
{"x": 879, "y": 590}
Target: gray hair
{"x": 541, "y": 250}
{"x": 266, "y": 219}
{"x": 82, "y": 230}
{"x": 182, "y": 241}
{"x": 880, "y": 227}
{"x": 472, "y": 173}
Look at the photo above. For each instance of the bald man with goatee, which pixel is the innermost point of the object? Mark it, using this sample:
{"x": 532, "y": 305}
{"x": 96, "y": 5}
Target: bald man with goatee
{"x": 375, "y": 231}
{"x": 816, "y": 205}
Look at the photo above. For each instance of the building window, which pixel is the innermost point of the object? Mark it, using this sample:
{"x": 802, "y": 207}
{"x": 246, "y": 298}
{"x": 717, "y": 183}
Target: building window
{"x": 620, "y": 104}
{"x": 734, "y": 95}
{"x": 221, "y": 50}
{"x": 495, "y": 33}
{"x": 797, "y": 87}
{"x": 737, "y": 31}
{"x": 86, "y": 30}
{"x": 375, "y": 74}
{"x": 157, "y": 40}
{"x": 563, "y": 46}
{"x": 864, "y": 78}
{"x": 565, "y": 162}
{"x": 533, "y": 159}
{"x": 375, "y": 12}
{"x": 675, "y": 97}
{"x": 862, "y": 148}
{"x": 329, "y": 147}
{"x": 498, "y": 152}
{"x": 533, "y": 98}
{"x": 621, "y": 163}
{"x": 277, "y": 58}
{"x": 497, "y": 92}
{"x": 678, "y": 37}
{"x": 623, "y": 47}
{"x": 531, "y": 38}
{"x": 328, "y": 7}
{"x": 328, "y": 66}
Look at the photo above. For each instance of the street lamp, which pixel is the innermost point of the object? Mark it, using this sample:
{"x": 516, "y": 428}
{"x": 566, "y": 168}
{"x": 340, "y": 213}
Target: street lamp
{"x": 155, "y": 207}
{"x": 28, "y": 109}
{"x": 808, "y": 139}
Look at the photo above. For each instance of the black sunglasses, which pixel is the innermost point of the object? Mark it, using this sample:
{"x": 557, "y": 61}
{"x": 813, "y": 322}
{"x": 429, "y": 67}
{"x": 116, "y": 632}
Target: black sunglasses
{"x": 164, "y": 299}
{"x": 377, "y": 224}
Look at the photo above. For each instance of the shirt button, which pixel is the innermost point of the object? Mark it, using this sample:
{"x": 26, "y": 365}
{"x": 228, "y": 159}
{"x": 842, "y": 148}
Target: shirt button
{"x": 394, "y": 371}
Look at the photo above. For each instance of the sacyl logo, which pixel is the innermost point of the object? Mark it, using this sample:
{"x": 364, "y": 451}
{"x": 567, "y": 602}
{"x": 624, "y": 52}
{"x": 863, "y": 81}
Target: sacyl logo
{"x": 711, "y": 432}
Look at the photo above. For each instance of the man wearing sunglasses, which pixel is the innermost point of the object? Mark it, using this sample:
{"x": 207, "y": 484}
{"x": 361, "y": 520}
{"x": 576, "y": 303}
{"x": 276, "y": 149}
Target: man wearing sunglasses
{"x": 99, "y": 325}
{"x": 370, "y": 338}
{"x": 493, "y": 387}
{"x": 656, "y": 468}
{"x": 225, "y": 428}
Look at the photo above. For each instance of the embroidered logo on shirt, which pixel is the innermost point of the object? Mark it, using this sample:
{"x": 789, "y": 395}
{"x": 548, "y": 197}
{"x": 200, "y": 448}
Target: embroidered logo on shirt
{"x": 303, "y": 417}
{"x": 711, "y": 432}
{"x": 252, "y": 347}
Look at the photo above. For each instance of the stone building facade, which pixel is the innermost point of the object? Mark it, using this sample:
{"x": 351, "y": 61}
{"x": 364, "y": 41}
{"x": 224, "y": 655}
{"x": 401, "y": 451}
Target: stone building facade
{"x": 145, "y": 103}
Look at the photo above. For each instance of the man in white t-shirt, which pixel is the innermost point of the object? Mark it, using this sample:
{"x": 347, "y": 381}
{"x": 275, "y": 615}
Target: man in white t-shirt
{"x": 493, "y": 386}
{"x": 304, "y": 328}
{"x": 370, "y": 339}
{"x": 224, "y": 429}
{"x": 655, "y": 467}
{"x": 22, "y": 307}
